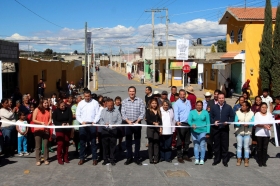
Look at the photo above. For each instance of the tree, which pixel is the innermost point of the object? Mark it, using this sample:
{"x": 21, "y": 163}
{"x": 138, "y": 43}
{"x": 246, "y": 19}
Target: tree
{"x": 275, "y": 75}
{"x": 48, "y": 52}
{"x": 213, "y": 49}
{"x": 75, "y": 52}
{"x": 266, "y": 48}
{"x": 221, "y": 45}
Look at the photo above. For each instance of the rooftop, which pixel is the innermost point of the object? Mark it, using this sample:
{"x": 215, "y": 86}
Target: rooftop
{"x": 246, "y": 14}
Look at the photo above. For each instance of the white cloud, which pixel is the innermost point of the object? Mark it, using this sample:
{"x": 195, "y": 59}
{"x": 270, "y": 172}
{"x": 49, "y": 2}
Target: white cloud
{"x": 68, "y": 40}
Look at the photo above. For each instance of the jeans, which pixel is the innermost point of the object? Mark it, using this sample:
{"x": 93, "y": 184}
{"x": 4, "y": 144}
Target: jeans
{"x": 199, "y": 142}
{"x": 86, "y": 132}
{"x": 242, "y": 141}
{"x": 22, "y": 142}
{"x": 8, "y": 135}
{"x": 165, "y": 147}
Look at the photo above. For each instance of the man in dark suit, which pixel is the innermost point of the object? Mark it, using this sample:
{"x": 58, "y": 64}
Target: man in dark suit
{"x": 209, "y": 140}
{"x": 220, "y": 114}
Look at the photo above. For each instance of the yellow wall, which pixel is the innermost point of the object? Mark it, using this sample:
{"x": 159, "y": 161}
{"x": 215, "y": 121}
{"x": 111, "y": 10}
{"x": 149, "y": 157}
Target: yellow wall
{"x": 29, "y": 69}
{"x": 252, "y": 35}
{"x": 211, "y": 85}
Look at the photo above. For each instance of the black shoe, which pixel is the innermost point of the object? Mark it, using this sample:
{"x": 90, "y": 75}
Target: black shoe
{"x": 225, "y": 164}
{"x": 151, "y": 162}
{"x": 161, "y": 160}
{"x": 105, "y": 162}
{"x": 169, "y": 161}
{"x": 214, "y": 163}
{"x": 128, "y": 161}
{"x": 138, "y": 162}
{"x": 113, "y": 163}
{"x": 260, "y": 165}
{"x": 264, "y": 165}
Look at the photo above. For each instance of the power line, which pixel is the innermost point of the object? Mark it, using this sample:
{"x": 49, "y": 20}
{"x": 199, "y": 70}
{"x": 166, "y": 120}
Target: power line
{"x": 38, "y": 15}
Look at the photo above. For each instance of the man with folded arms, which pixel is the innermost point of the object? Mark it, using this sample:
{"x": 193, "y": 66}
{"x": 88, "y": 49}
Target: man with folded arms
{"x": 111, "y": 116}
{"x": 182, "y": 108}
{"x": 133, "y": 111}
{"x": 88, "y": 112}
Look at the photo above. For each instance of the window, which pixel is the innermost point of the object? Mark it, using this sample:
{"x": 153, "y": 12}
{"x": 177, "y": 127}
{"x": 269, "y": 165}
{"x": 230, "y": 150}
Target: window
{"x": 44, "y": 75}
{"x": 240, "y": 32}
{"x": 232, "y": 36}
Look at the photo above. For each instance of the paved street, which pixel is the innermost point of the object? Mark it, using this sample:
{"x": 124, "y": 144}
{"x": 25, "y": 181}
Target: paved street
{"x": 23, "y": 171}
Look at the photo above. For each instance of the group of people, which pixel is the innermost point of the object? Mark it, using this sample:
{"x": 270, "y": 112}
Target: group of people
{"x": 93, "y": 118}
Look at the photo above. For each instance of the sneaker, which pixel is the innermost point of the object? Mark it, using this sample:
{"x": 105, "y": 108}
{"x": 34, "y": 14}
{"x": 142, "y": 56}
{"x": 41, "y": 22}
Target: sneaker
{"x": 25, "y": 153}
{"x": 20, "y": 154}
{"x": 196, "y": 162}
{"x": 201, "y": 162}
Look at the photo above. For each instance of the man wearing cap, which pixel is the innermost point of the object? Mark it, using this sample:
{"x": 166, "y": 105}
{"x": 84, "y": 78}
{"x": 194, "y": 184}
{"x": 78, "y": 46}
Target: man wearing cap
{"x": 163, "y": 98}
{"x": 191, "y": 97}
{"x": 156, "y": 94}
{"x": 207, "y": 96}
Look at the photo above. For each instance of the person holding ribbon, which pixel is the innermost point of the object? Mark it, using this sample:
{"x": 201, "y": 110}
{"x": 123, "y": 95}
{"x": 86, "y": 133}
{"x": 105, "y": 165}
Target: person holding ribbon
{"x": 133, "y": 111}
{"x": 109, "y": 116}
{"x": 168, "y": 121}
{"x": 7, "y": 114}
{"x": 153, "y": 117}
{"x": 182, "y": 108}
{"x": 220, "y": 114}
{"x": 88, "y": 112}
{"x": 62, "y": 116}
{"x": 243, "y": 132}
{"x": 199, "y": 119}
{"x": 263, "y": 133}
{"x": 42, "y": 116}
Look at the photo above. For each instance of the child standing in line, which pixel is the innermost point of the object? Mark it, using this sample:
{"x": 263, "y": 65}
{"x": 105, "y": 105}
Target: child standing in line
{"x": 22, "y": 135}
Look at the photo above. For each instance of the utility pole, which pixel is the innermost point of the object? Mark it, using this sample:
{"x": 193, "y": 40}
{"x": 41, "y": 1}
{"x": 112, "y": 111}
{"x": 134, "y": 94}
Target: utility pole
{"x": 153, "y": 41}
{"x": 167, "y": 57}
{"x": 85, "y": 66}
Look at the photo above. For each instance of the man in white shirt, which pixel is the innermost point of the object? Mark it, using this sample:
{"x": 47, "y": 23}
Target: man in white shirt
{"x": 88, "y": 112}
{"x": 268, "y": 100}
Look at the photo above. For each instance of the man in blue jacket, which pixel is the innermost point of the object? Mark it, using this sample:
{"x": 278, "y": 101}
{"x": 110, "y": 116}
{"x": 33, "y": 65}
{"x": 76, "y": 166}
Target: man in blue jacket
{"x": 220, "y": 114}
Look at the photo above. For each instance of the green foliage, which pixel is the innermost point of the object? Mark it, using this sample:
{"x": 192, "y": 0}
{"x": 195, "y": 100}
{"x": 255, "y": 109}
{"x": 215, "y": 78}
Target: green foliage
{"x": 265, "y": 53}
{"x": 213, "y": 49}
{"x": 276, "y": 56}
{"x": 48, "y": 52}
{"x": 221, "y": 45}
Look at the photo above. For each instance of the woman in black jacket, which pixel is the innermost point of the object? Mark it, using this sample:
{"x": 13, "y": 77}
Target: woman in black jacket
{"x": 153, "y": 117}
{"x": 62, "y": 116}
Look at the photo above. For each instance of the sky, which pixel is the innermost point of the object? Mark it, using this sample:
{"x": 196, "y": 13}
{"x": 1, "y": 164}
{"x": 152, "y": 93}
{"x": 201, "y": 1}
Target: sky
{"x": 115, "y": 24}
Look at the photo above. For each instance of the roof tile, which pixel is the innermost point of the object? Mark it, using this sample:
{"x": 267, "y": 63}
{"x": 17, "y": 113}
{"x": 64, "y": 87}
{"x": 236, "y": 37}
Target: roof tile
{"x": 250, "y": 13}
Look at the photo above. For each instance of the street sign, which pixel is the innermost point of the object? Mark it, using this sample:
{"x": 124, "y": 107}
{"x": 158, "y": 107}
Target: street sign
{"x": 186, "y": 68}
{"x": 182, "y": 49}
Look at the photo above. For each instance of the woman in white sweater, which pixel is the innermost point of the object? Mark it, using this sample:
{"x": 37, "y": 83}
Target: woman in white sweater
{"x": 167, "y": 132}
{"x": 7, "y": 114}
{"x": 263, "y": 133}
{"x": 243, "y": 132}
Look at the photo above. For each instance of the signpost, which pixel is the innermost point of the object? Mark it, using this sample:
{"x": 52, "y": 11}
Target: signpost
{"x": 182, "y": 52}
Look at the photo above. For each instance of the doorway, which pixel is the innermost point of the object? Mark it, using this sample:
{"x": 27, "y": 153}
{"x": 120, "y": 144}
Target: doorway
{"x": 35, "y": 86}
